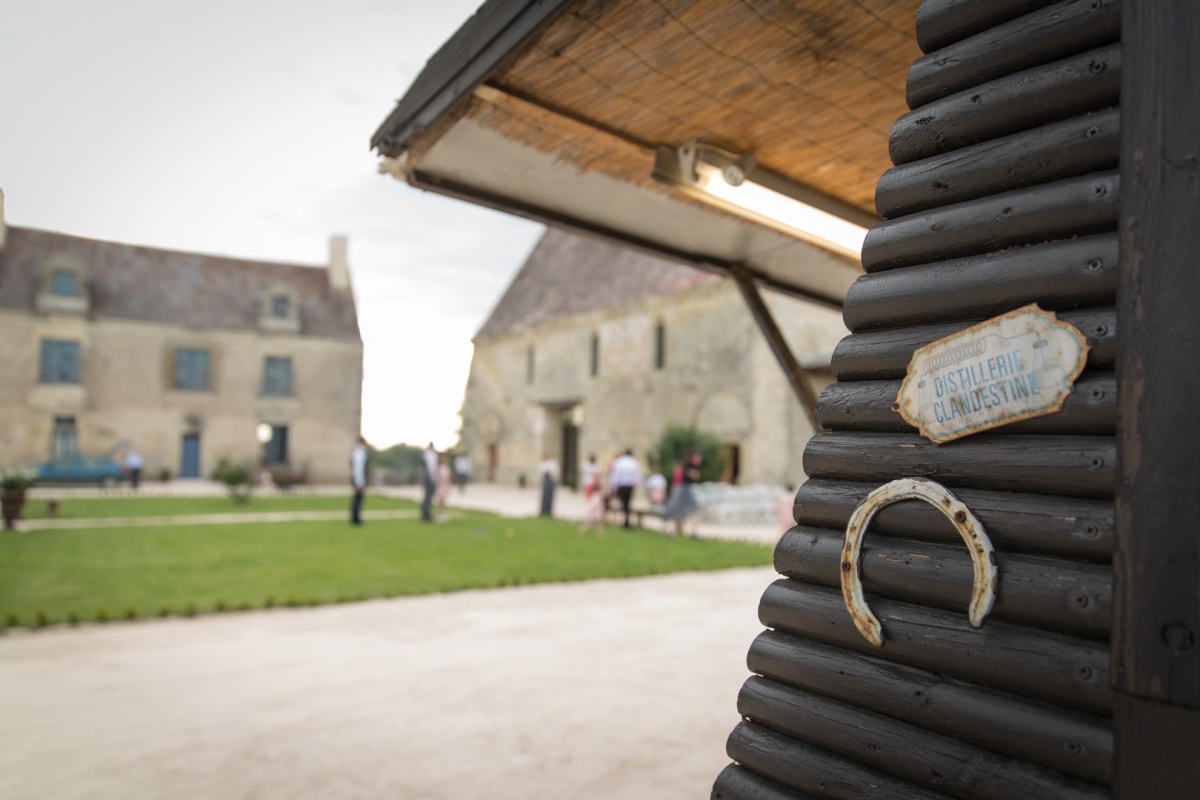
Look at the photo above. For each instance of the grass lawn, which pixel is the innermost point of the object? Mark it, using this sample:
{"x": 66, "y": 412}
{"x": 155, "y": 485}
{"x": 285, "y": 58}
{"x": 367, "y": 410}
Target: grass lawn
{"x": 58, "y": 576}
{"x": 108, "y": 507}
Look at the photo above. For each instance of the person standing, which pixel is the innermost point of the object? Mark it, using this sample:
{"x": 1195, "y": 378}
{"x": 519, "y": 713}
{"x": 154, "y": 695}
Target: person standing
{"x": 683, "y": 501}
{"x": 442, "y": 490}
{"x": 626, "y": 474}
{"x": 591, "y": 477}
{"x": 462, "y": 470}
{"x": 548, "y": 469}
{"x": 429, "y": 470}
{"x": 133, "y": 467}
{"x": 358, "y": 479}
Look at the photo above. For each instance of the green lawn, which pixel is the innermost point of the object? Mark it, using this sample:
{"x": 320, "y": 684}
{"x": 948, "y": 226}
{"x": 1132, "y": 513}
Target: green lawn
{"x": 49, "y": 577}
{"x": 107, "y": 507}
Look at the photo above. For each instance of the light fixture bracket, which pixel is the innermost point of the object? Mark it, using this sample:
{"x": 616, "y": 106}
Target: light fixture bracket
{"x": 739, "y": 185}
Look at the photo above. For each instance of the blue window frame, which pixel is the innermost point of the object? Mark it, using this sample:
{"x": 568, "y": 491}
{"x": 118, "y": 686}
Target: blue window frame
{"x": 277, "y": 376}
{"x": 64, "y": 282}
{"x": 281, "y": 306}
{"x": 59, "y": 362}
{"x": 191, "y": 369}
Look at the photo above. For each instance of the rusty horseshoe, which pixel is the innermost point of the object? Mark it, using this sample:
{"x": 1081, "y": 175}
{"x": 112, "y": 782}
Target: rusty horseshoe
{"x": 983, "y": 555}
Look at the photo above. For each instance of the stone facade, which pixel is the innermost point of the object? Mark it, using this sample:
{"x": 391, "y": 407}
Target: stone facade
{"x": 595, "y": 348}
{"x": 166, "y": 353}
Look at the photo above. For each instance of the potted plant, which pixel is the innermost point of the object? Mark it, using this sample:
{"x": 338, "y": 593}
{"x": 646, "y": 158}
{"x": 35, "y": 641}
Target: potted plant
{"x": 14, "y": 481}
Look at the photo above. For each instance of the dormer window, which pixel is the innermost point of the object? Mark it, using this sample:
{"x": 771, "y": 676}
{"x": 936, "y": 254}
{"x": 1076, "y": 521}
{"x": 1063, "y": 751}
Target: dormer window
{"x": 280, "y": 310}
{"x": 64, "y": 283}
{"x": 62, "y": 286}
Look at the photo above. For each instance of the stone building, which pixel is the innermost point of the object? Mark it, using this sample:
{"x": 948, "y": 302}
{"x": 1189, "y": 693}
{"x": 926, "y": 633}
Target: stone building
{"x": 595, "y": 347}
{"x": 185, "y": 358}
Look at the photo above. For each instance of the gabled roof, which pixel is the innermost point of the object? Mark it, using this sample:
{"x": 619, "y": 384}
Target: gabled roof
{"x": 193, "y": 290}
{"x": 567, "y": 274}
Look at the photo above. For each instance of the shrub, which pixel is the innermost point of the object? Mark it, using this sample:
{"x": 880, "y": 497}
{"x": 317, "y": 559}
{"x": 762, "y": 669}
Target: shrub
{"x": 674, "y": 444}
{"x": 238, "y": 478}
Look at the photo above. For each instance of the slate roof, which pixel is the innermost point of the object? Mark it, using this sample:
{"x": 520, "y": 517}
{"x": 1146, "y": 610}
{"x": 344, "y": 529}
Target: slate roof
{"x": 568, "y": 274}
{"x": 146, "y": 284}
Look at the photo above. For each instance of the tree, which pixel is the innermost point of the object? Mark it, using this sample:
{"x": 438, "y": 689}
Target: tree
{"x": 677, "y": 441}
{"x": 402, "y": 462}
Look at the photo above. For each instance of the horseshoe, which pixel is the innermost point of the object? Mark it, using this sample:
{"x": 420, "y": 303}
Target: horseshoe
{"x": 983, "y": 555}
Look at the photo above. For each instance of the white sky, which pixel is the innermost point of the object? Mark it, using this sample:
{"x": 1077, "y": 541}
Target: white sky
{"x": 242, "y": 127}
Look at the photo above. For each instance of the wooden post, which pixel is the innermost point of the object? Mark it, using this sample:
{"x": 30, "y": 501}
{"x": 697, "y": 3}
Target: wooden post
{"x": 1156, "y": 652}
{"x": 796, "y": 374}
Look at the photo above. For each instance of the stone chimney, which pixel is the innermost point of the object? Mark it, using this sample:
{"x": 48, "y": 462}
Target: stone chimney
{"x": 339, "y": 268}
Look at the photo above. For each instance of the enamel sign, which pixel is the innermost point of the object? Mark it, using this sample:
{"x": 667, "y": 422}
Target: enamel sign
{"x": 1019, "y": 365}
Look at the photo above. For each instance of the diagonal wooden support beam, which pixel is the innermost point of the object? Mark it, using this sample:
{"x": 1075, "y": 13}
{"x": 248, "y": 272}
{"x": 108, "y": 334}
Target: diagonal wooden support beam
{"x": 797, "y": 376}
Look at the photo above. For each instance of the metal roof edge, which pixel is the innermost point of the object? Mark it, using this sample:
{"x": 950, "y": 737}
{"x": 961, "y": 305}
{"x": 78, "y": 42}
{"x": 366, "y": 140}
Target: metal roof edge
{"x": 492, "y": 33}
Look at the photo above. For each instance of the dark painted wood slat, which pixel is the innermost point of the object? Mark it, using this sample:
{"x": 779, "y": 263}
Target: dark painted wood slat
{"x": 739, "y": 783}
{"x": 867, "y": 406}
{"x": 1156, "y": 750}
{"x": 1042, "y": 36}
{"x": 1073, "y": 147}
{"x": 944, "y": 22}
{"x": 1157, "y": 632}
{"x": 1075, "y": 744}
{"x": 1025, "y": 100}
{"x": 1058, "y": 669}
{"x": 1061, "y": 210}
{"x": 884, "y": 355}
{"x": 924, "y": 758}
{"x": 1016, "y": 523}
{"x": 1072, "y": 466}
{"x": 1034, "y": 591}
{"x": 812, "y": 769}
{"x": 1075, "y": 273}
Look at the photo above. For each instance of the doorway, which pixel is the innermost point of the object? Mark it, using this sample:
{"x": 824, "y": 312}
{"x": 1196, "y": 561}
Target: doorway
{"x": 189, "y": 456}
{"x": 571, "y": 417}
{"x": 733, "y": 463}
{"x": 492, "y": 462}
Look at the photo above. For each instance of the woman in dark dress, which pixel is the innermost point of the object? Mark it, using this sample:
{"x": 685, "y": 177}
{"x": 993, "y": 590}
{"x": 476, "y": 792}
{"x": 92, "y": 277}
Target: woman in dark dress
{"x": 682, "y": 503}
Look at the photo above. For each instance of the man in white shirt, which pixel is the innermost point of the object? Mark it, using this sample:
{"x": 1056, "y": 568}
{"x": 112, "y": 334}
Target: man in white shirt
{"x": 429, "y": 470}
{"x": 548, "y": 469}
{"x": 625, "y": 474}
{"x": 462, "y": 470}
{"x": 133, "y": 467}
{"x": 358, "y": 479}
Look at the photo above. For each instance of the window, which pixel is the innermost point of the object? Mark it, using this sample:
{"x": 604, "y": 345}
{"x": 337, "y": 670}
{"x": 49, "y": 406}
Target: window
{"x": 275, "y": 449}
{"x": 277, "y": 376}
{"x": 64, "y": 283}
{"x": 660, "y": 346}
{"x": 595, "y": 369}
{"x": 281, "y": 306}
{"x": 191, "y": 369}
{"x": 60, "y": 362}
{"x": 63, "y": 438}
{"x": 529, "y": 363}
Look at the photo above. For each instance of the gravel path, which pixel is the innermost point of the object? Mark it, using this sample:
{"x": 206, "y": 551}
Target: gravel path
{"x": 606, "y": 689}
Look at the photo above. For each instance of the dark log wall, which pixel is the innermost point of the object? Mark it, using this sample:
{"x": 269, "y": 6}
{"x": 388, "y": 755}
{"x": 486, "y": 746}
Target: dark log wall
{"x": 1005, "y": 192}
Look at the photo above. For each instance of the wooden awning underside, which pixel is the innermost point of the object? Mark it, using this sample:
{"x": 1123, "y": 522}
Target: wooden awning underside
{"x": 552, "y": 110}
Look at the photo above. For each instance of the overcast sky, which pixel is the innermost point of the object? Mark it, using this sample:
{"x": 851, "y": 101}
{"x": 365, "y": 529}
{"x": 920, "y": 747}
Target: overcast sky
{"x": 242, "y": 128}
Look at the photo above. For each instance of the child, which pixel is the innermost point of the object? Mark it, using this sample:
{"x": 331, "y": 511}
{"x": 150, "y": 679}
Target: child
{"x": 595, "y": 515}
